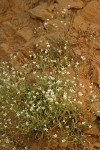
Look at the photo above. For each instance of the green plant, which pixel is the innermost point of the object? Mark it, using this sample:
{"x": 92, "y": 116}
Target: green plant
{"x": 52, "y": 104}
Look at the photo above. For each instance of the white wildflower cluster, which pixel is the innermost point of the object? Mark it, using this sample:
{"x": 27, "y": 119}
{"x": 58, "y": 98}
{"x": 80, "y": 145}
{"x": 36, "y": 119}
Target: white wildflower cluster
{"x": 51, "y": 95}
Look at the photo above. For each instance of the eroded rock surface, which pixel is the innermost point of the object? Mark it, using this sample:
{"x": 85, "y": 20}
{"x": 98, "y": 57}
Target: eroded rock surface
{"x": 95, "y": 108}
{"x": 96, "y": 75}
{"x": 4, "y": 5}
{"x": 24, "y": 23}
{"x": 40, "y": 12}
{"x": 92, "y": 12}
{"x": 26, "y": 33}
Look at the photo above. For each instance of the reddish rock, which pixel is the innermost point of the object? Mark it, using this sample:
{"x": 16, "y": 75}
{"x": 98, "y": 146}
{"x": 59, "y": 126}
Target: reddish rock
{"x": 78, "y": 4}
{"x": 80, "y": 23}
{"x": 20, "y": 5}
{"x": 97, "y": 57}
{"x": 68, "y": 4}
{"x": 96, "y": 43}
{"x": 96, "y": 75}
{"x": 92, "y": 12}
{"x": 35, "y": 1}
{"x": 95, "y": 108}
{"x": 4, "y": 51}
{"x": 26, "y": 33}
{"x": 4, "y": 5}
{"x": 3, "y": 54}
{"x": 97, "y": 145}
{"x": 40, "y": 12}
{"x": 94, "y": 130}
{"x": 5, "y": 47}
{"x": 2, "y": 35}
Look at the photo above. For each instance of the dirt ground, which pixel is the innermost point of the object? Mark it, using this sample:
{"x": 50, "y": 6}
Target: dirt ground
{"x": 24, "y": 23}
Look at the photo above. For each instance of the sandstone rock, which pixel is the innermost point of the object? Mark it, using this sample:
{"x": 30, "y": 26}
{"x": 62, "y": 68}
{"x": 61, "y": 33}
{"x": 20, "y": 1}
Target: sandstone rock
{"x": 20, "y": 5}
{"x": 26, "y": 33}
{"x": 97, "y": 144}
{"x": 78, "y": 4}
{"x": 80, "y": 23}
{"x": 51, "y": 8}
{"x": 5, "y": 17}
{"x": 40, "y": 12}
{"x": 4, "y": 50}
{"x": 5, "y": 47}
{"x": 68, "y": 4}
{"x": 8, "y": 27}
{"x": 96, "y": 43}
{"x": 96, "y": 75}
{"x": 3, "y": 55}
{"x": 95, "y": 130}
{"x": 97, "y": 57}
{"x": 2, "y": 35}
{"x": 95, "y": 108}
{"x": 92, "y": 12}
{"x": 35, "y": 1}
{"x": 4, "y": 5}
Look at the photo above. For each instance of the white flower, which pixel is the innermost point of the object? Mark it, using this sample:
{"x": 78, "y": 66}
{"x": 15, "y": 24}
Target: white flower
{"x": 68, "y": 73}
{"x": 69, "y": 6}
{"x": 80, "y": 93}
{"x": 98, "y": 111}
{"x": 18, "y": 114}
{"x": 45, "y": 129}
{"x": 67, "y": 127}
{"x": 83, "y": 58}
{"x": 90, "y": 126}
{"x": 65, "y": 47}
{"x": 37, "y": 45}
{"x": 48, "y": 46}
{"x": 61, "y": 21}
{"x": 65, "y": 9}
{"x": 27, "y": 123}
{"x": 79, "y": 102}
{"x": 63, "y": 12}
{"x": 5, "y": 114}
{"x": 46, "y": 51}
{"x": 50, "y": 99}
{"x": 83, "y": 123}
{"x": 7, "y": 140}
{"x": 17, "y": 127}
{"x": 56, "y": 103}
{"x": 63, "y": 140}
{"x": 45, "y": 24}
{"x": 72, "y": 90}
{"x": 64, "y": 95}
{"x": 69, "y": 65}
{"x": 58, "y": 81}
{"x": 81, "y": 85}
{"x": 55, "y": 135}
{"x": 31, "y": 109}
{"x": 77, "y": 63}
{"x": 74, "y": 99}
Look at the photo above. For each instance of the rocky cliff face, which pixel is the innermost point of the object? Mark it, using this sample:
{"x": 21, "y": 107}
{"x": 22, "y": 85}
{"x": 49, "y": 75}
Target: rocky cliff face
{"x": 24, "y": 23}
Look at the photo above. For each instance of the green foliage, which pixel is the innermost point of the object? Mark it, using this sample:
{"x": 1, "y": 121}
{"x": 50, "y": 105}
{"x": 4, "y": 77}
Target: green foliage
{"x": 54, "y": 100}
